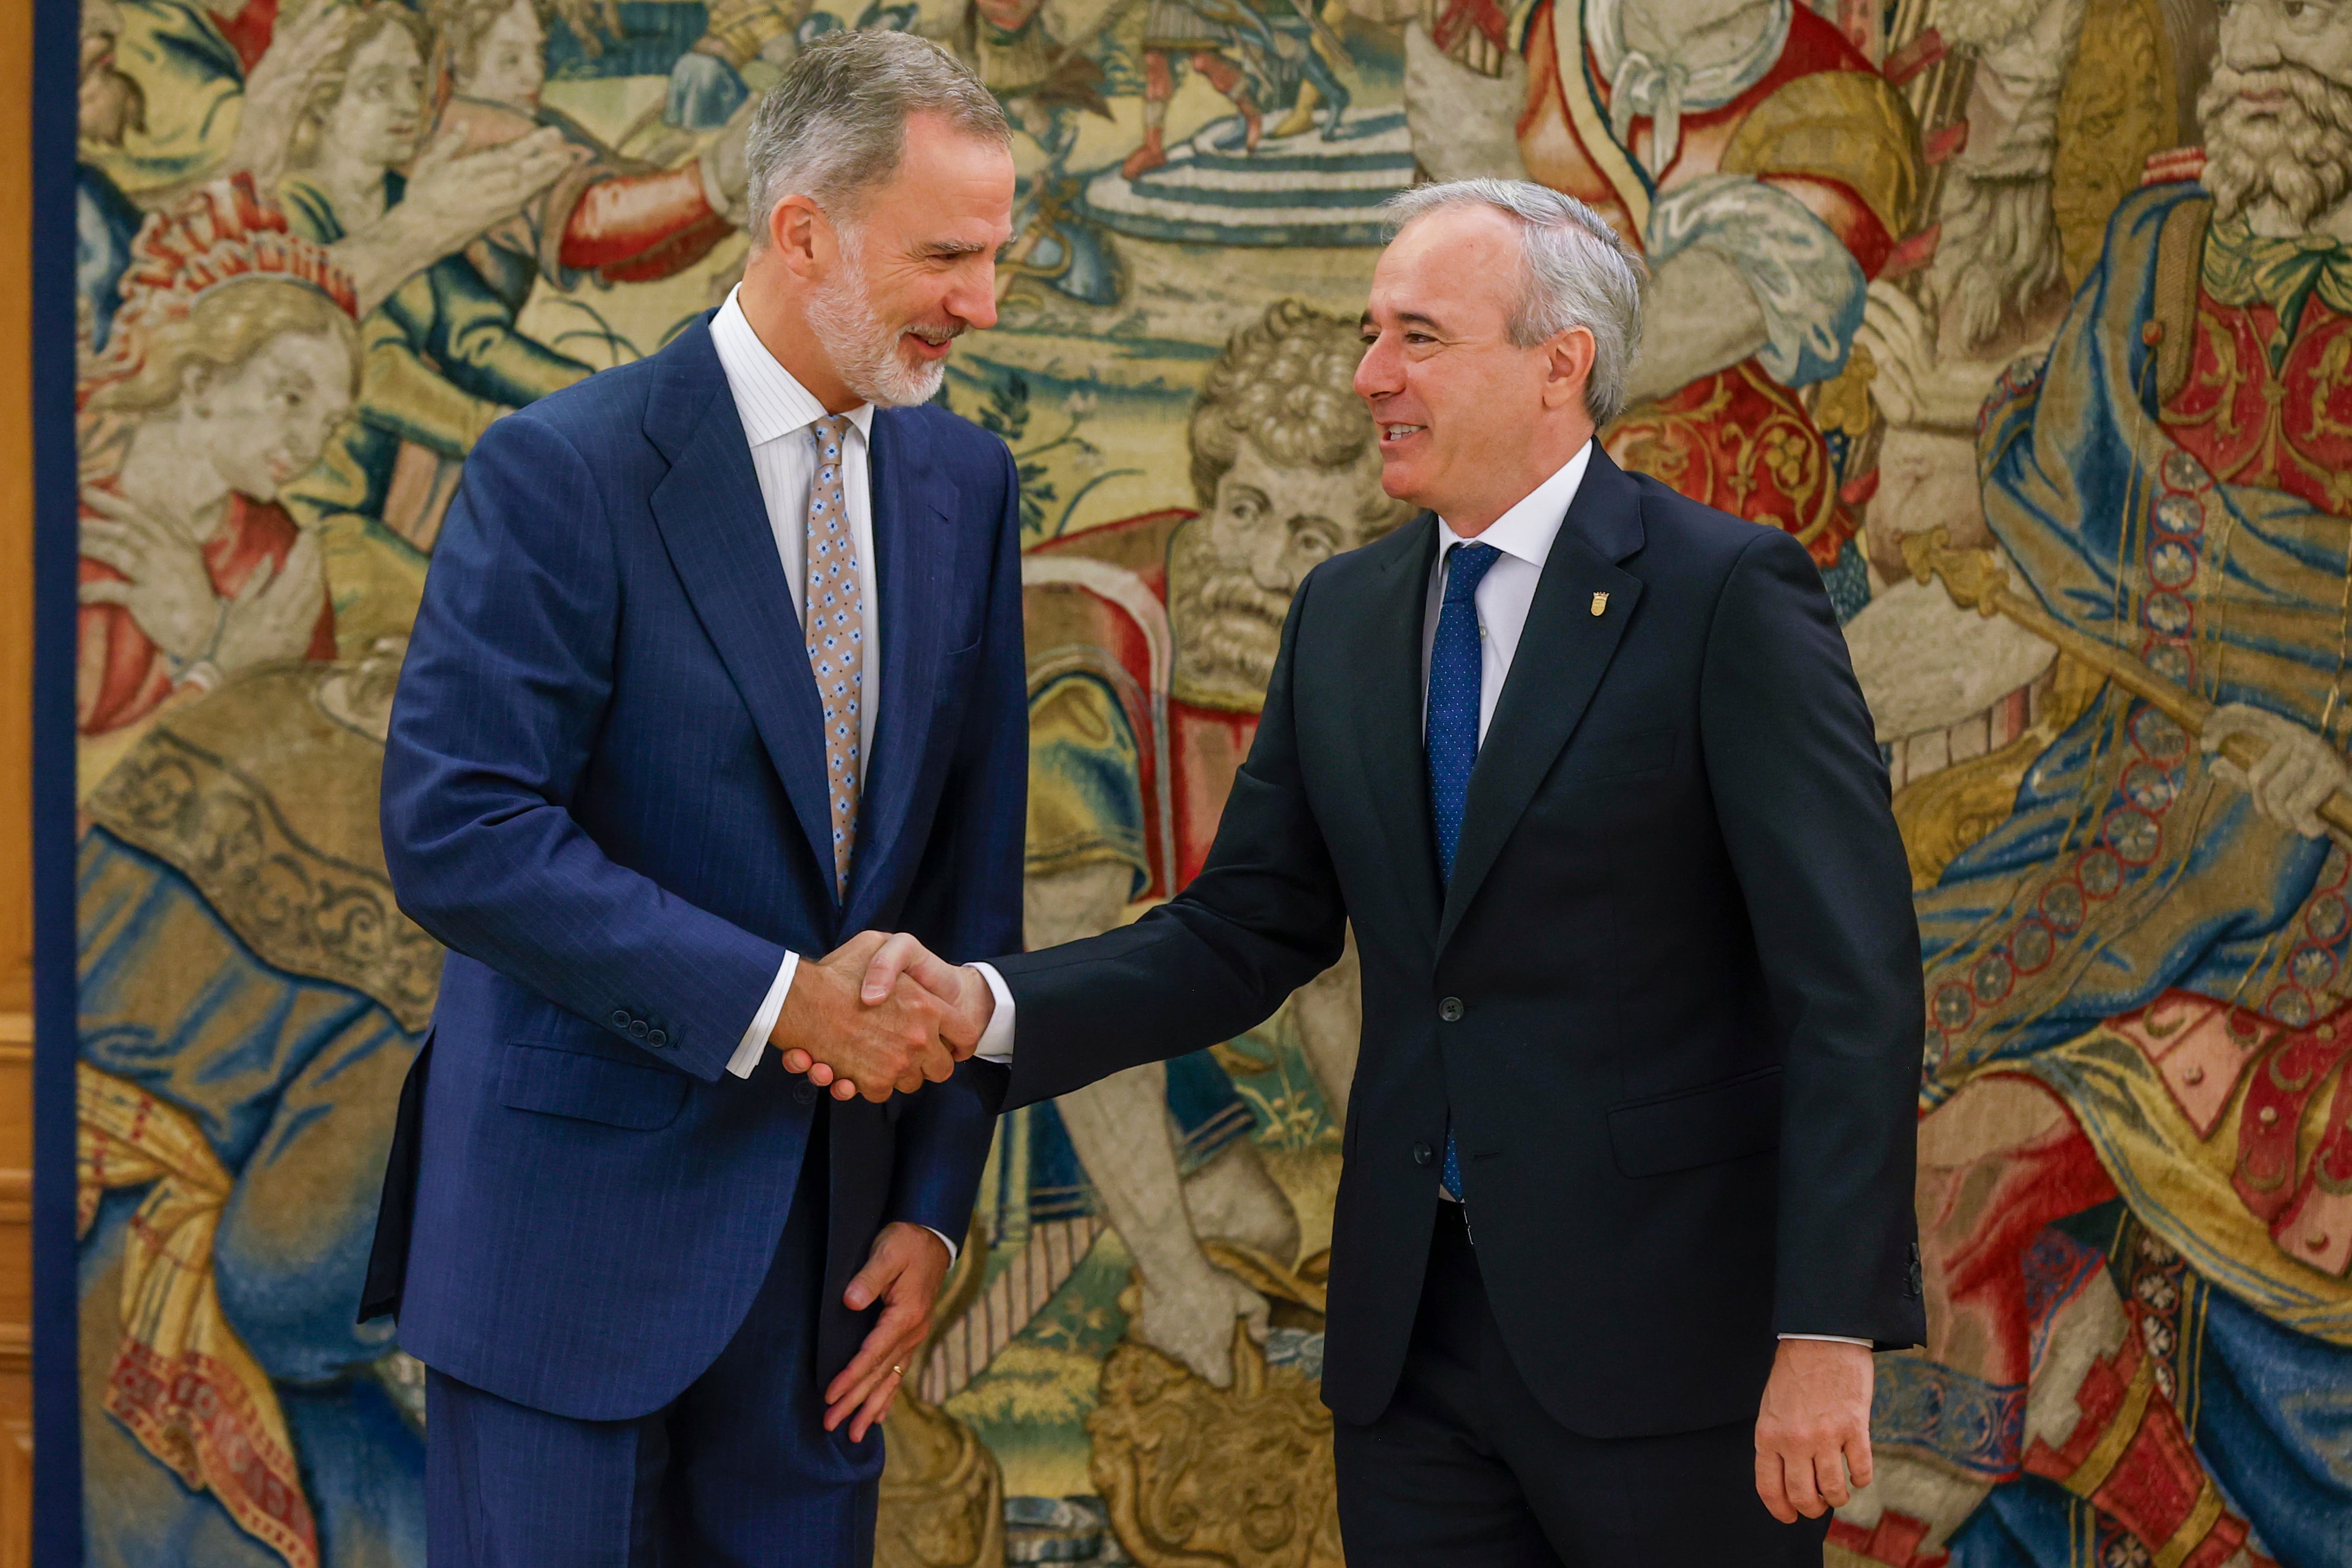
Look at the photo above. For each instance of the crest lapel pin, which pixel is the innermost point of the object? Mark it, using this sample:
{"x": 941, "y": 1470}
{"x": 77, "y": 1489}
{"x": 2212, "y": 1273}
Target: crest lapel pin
{"x": 1600, "y": 604}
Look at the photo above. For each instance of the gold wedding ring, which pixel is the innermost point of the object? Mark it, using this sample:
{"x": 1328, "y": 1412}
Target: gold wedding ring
{"x": 898, "y": 1371}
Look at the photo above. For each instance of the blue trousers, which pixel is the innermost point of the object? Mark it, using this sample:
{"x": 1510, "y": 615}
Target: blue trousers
{"x": 738, "y": 1472}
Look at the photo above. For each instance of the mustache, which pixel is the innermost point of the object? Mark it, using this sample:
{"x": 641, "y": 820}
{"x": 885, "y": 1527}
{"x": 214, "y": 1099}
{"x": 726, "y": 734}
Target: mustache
{"x": 1226, "y": 590}
{"x": 938, "y": 335}
{"x": 2318, "y": 95}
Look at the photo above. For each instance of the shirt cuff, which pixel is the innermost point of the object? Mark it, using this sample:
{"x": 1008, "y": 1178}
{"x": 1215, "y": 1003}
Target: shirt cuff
{"x": 996, "y": 1039}
{"x": 1831, "y": 1338}
{"x": 952, "y": 1248}
{"x": 763, "y": 1023}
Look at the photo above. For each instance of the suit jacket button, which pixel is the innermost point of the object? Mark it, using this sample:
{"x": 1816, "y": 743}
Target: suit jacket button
{"x": 1450, "y": 1009}
{"x": 805, "y": 1094}
{"x": 656, "y": 1039}
{"x": 638, "y": 1027}
{"x": 620, "y": 1018}
{"x": 1421, "y": 1154}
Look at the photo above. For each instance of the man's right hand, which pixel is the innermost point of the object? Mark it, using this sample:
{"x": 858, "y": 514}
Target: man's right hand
{"x": 855, "y": 1046}
{"x": 890, "y": 969}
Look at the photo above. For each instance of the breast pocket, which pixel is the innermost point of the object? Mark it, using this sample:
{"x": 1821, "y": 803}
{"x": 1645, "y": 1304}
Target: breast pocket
{"x": 555, "y": 1081}
{"x": 1619, "y": 756}
{"x": 1727, "y": 1120}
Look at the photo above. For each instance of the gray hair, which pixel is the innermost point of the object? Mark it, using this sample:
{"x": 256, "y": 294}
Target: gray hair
{"x": 1578, "y": 273}
{"x": 835, "y": 127}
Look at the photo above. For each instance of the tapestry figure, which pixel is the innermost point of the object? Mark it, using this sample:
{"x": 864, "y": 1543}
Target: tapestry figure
{"x": 1150, "y": 642}
{"x": 2133, "y": 1189}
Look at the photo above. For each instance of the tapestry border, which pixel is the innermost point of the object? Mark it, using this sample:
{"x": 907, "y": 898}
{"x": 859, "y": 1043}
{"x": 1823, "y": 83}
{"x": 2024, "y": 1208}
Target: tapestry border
{"x": 57, "y": 1393}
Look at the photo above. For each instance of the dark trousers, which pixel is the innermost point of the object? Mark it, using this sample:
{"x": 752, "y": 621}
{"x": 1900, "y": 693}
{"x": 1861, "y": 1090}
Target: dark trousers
{"x": 738, "y": 1472}
{"x": 1466, "y": 1471}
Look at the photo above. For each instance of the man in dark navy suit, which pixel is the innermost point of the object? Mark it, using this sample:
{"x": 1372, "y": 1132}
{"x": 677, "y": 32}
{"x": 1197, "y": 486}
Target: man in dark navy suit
{"x": 1627, "y": 1199}
{"x": 719, "y": 659}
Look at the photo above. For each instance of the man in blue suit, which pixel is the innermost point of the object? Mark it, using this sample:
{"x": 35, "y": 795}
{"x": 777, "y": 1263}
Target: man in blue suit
{"x": 719, "y": 659}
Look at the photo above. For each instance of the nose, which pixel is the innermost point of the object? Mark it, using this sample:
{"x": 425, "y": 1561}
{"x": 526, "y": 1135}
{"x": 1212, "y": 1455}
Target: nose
{"x": 2249, "y": 36}
{"x": 973, "y": 297}
{"x": 1268, "y": 547}
{"x": 1380, "y": 372}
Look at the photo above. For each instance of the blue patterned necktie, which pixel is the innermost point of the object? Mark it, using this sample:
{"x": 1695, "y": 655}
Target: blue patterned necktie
{"x": 1456, "y": 667}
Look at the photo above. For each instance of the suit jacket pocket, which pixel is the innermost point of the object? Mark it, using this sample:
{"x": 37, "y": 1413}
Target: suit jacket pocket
{"x": 558, "y": 1083}
{"x": 1616, "y": 755}
{"x": 1728, "y": 1120}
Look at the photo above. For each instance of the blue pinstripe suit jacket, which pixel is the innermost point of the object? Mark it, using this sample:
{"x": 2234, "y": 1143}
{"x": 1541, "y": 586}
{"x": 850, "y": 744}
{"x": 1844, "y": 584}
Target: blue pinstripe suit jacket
{"x": 604, "y": 792}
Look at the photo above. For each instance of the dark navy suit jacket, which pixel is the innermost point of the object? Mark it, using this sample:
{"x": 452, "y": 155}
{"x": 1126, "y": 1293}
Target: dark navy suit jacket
{"x": 604, "y": 792}
{"x": 1668, "y": 1003}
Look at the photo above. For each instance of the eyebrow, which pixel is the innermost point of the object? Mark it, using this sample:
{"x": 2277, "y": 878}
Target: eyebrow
{"x": 1411, "y": 318}
{"x": 956, "y": 247}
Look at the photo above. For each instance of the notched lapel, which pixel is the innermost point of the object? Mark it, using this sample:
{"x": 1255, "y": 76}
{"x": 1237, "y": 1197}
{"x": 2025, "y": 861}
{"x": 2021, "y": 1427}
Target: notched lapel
{"x": 1395, "y": 761}
{"x": 1563, "y": 652}
{"x": 914, "y": 550}
{"x": 714, "y": 523}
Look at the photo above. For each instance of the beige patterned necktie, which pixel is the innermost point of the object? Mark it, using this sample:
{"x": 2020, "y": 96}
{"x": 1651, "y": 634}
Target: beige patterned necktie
{"x": 836, "y": 636}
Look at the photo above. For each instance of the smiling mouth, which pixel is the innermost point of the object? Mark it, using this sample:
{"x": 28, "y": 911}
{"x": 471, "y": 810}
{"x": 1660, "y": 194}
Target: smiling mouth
{"x": 929, "y": 345}
{"x": 1393, "y": 434}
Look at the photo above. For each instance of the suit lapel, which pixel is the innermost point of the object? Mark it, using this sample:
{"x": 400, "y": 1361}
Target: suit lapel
{"x": 912, "y": 505}
{"x": 714, "y": 523}
{"x": 1562, "y": 654}
{"x": 1386, "y": 652}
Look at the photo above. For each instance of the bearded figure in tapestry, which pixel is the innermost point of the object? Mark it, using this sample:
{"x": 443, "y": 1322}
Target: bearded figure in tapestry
{"x": 2137, "y": 1166}
{"x": 1150, "y": 642}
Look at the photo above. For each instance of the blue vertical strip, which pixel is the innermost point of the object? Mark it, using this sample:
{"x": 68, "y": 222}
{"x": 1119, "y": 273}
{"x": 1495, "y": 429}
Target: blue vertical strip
{"x": 56, "y": 1414}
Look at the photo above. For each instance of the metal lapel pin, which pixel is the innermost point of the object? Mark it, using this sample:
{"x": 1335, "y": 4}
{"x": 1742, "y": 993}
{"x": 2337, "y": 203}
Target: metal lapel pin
{"x": 1600, "y": 604}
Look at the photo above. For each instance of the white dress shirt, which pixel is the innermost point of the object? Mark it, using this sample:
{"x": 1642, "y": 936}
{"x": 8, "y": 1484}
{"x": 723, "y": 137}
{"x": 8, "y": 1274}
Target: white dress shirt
{"x": 777, "y": 412}
{"x": 1525, "y": 534}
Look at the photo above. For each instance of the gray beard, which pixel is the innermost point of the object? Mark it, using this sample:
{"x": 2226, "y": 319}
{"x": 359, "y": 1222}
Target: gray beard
{"x": 1229, "y": 651}
{"x": 862, "y": 347}
{"x": 1228, "y": 628}
{"x": 2300, "y": 157}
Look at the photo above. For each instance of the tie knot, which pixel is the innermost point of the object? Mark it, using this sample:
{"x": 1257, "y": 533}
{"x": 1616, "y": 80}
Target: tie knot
{"x": 830, "y": 432}
{"x": 1464, "y": 565}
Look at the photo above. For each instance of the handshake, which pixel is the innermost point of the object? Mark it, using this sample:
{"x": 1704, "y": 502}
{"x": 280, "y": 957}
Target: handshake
{"x": 879, "y": 1014}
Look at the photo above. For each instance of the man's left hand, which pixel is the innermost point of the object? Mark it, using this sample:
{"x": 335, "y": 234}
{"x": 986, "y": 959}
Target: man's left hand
{"x": 904, "y": 1272}
{"x": 1814, "y": 1428}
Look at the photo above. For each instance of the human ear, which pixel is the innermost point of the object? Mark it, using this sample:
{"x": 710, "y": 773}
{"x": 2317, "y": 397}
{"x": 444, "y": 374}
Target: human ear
{"x": 1567, "y": 366}
{"x": 793, "y": 229}
{"x": 196, "y": 385}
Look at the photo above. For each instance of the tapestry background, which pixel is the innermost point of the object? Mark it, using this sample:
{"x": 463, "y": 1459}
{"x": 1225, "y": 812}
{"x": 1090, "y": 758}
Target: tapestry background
{"x": 1935, "y": 265}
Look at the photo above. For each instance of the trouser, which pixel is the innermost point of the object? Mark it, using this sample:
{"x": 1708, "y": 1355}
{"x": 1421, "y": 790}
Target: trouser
{"x": 737, "y": 1470}
{"x": 1465, "y": 1469}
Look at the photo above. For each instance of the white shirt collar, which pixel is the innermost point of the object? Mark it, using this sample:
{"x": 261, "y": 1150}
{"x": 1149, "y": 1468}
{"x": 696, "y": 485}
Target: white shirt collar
{"x": 1527, "y": 530}
{"x": 770, "y": 398}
